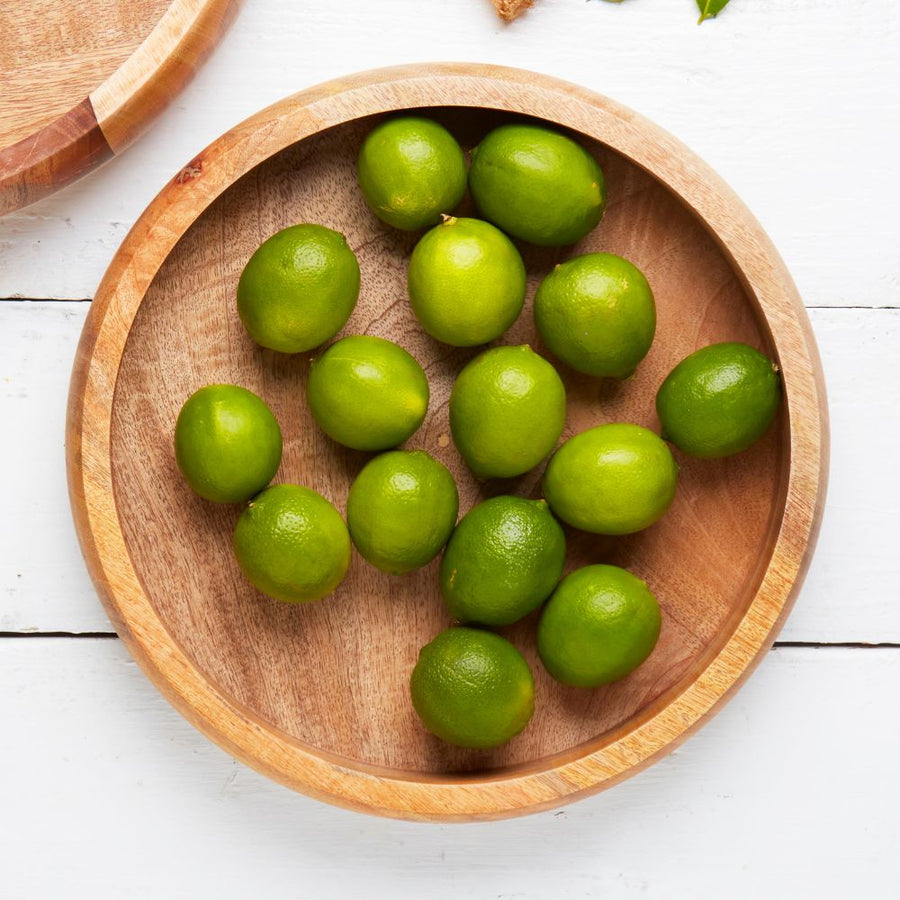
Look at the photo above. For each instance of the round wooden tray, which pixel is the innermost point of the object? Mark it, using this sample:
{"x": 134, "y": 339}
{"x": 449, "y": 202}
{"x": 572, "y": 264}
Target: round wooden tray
{"x": 82, "y": 79}
{"x": 317, "y": 696}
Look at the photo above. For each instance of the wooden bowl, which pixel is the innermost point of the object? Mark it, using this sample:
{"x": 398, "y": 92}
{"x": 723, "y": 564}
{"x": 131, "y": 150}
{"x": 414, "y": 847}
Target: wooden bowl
{"x": 81, "y": 79}
{"x": 317, "y": 696}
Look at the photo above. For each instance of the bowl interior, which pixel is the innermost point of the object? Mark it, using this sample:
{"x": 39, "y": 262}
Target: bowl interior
{"x": 334, "y": 675}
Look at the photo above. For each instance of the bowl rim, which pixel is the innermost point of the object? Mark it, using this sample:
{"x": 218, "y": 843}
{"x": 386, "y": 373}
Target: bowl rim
{"x": 520, "y": 789}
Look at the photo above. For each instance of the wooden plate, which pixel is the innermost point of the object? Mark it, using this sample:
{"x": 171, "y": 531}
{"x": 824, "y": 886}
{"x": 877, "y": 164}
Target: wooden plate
{"x": 82, "y": 78}
{"x": 317, "y": 696}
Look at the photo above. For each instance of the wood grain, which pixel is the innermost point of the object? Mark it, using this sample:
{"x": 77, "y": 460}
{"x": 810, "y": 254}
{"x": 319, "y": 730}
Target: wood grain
{"x": 81, "y": 79}
{"x": 316, "y": 697}
{"x": 53, "y": 54}
{"x": 60, "y": 152}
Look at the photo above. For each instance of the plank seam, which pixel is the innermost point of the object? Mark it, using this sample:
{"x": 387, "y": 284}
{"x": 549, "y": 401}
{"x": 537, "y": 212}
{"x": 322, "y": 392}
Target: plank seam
{"x": 778, "y": 645}
{"x": 16, "y": 298}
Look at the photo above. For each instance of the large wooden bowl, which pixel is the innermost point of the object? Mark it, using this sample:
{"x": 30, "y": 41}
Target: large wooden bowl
{"x": 317, "y": 696}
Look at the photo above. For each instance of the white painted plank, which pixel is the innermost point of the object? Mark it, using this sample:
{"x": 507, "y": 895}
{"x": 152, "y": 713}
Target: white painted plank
{"x": 790, "y": 792}
{"x": 43, "y": 582}
{"x": 850, "y": 593}
{"x": 789, "y": 99}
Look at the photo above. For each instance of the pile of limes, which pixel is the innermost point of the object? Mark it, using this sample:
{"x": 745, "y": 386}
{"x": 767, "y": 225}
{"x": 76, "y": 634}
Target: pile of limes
{"x": 467, "y": 283}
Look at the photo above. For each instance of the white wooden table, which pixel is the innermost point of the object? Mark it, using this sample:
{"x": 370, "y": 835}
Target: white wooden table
{"x": 792, "y": 791}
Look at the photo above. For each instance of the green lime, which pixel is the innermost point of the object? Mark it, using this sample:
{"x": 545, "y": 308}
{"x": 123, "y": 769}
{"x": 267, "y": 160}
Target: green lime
{"x": 612, "y": 479}
{"x": 367, "y": 393}
{"x": 227, "y": 443}
{"x": 507, "y": 411}
{"x": 502, "y": 562}
{"x": 401, "y": 510}
{"x": 719, "y": 400}
{"x": 597, "y": 314}
{"x": 537, "y": 184}
{"x": 411, "y": 170}
{"x": 466, "y": 282}
{"x": 292, "y": 544}
{"x": 298, "y": 289}
{"x": 600, "y": 624}
{"x": 472, "y": 688}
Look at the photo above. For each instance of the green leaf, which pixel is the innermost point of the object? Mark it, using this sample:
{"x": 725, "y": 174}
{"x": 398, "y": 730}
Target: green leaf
{"x": 709, "y": 9}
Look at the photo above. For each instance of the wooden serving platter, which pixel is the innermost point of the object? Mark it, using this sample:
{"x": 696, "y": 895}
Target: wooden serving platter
{"x": 82, "y": 78}
{"x": 317, "y": 696}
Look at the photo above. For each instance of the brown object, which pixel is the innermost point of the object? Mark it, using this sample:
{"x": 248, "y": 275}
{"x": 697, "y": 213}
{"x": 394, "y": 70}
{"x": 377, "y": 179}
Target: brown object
{"x": 317, "y": 696}
{"x": 81, "y": 78}
{"x": 509, "y": 9}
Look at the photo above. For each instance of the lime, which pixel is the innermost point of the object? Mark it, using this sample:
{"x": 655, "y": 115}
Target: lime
{"x": 612, "y": 479}
{"x": 537, "y": 184}
{"x": 472, "y": 688}
{"x": 466, "y": 282}
{"x": 367, "y": 393}
{"x": 719, "y": 400}
{"x": 600, "y": 624}
{"x": 298, "y": 289}
{"x": 401, "y": 510}
{"x": 292, "y": 544}
{"x": 507, "y": 411}
{"x": 502, "y": 562}
{"x": 596, "y": 313}
{"x": 227, "y": 443}
{"x": 411, "y": 170}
